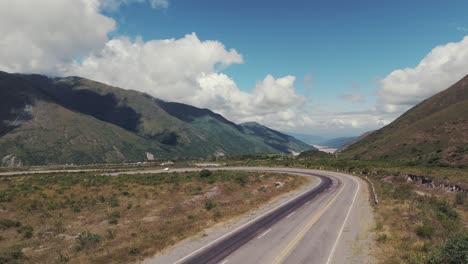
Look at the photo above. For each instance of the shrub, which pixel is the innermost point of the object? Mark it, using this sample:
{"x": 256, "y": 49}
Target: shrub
{"x": 133, "y": 250}
{"x": 205, "y": 173}
{"x": 113, "y": 218}
{"x": 7, "y": 223}
{"x": 460, "y": 198}
{"x": 210, "y": 205}
{"x": 110, "y": 234}
{"x": 455, "y": 251}
{"x": 241, "y": 180}
{"x": 424, "y": 231}
{"x": 113, "y": 201}
{"x": 382, "y": 238}
{"x": 443, "y": 209}
{"x": 87, "y": 239}
{"x": 27, "y": 231}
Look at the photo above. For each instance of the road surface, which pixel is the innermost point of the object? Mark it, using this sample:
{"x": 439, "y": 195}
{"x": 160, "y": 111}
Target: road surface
{"x": 328, "y": 223}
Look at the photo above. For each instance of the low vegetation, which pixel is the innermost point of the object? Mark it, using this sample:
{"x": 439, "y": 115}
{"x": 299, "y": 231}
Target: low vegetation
{"x": 413, "y": 226}
{"x": 87, "y": 218}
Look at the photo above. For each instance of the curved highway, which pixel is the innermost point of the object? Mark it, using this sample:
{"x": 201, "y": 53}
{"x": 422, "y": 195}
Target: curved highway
{"x": 328, "y": 223}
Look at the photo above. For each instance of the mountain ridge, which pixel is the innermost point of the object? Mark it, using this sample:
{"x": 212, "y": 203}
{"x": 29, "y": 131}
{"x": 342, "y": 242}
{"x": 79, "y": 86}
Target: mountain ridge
{"x": 82, "y": 121}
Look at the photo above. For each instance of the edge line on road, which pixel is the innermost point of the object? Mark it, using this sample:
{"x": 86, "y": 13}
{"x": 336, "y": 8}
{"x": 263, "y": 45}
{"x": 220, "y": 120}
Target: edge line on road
{"x": 330, "y": 257}
{"x": 309, "y": 225}
{"x": 251, "y": 221}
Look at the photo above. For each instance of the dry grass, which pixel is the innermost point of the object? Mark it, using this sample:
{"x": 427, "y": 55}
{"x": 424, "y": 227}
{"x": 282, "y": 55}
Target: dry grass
{"x": 413, "y": 227}
{"x": 83, "y": 218}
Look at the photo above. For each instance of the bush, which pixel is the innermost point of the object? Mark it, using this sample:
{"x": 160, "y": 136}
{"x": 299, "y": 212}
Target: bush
{"x": 210, "y": 205}
{"x": 7, "y": 223}
{"x": 424, "y": 231}
{"x": 460, "y": 198}
{"x": 133, "y": 250}
{"x": 443, "y": 209}
{"x": 241, "y": 180}
{"x": 27, "y": 231}
{"x": 455, "y": 251}
{"x": 113, "y": 201}
{"x": 87, "y": 239}
{"x": 205, "y": 173}
{"x": 382, "y": 238}
{"x": 113, "y": 218}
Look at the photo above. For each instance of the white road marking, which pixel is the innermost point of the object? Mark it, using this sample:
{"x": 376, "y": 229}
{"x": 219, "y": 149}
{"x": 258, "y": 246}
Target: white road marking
{"x": 344, "y": 222}
{"x": 307, "y": 202}
{"x": 266, "y": 232}
{"x": 289, "y": 215}
{"x": 224, "y": 262}
{"x": 253, "y": 220}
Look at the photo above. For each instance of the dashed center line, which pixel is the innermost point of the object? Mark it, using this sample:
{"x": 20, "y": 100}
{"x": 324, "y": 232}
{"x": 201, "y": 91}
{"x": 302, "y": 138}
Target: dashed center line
{"x": 291, "y": 214}
{"x": 266, "y": 232}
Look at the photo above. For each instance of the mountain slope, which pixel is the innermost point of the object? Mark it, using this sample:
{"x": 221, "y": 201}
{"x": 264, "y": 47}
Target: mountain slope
{"x": 433, "y": 132}
{"x": 279, "y": 141}
{"x": 74, "y": 120}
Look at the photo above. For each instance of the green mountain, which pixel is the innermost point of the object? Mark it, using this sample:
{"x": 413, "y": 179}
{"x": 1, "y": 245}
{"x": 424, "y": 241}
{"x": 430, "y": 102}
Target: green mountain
{"x": 433, "y": 132}
{"x": 277, "y": 140}
{"x": 74, "y": 120}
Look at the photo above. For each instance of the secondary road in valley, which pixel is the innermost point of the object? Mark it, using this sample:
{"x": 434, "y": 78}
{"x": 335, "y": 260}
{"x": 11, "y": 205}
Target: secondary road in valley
{"x": 328, "y": 223}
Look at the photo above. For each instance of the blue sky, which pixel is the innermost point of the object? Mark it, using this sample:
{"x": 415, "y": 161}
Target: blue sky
{"x": 344, "y": 45}
{"x": 329, "y": 68}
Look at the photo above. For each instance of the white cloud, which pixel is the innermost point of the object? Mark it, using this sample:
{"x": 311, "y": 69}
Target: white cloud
{"x": 168, "y": 69}
{"x": 442, "y": 67}
{"x": 61, "y": 38}
{"x": 40, "y": 36}
{"x": 187, "y": 70}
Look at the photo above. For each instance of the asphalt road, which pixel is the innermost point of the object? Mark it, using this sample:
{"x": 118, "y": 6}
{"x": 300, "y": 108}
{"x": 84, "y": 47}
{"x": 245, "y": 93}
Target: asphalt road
{"x": 322, "y": 225}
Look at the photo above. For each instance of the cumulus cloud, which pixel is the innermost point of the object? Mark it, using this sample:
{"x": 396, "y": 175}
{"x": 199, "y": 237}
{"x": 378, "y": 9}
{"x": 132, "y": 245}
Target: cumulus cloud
{"x": 40, "y": 36}
{"x": 59, "y": 37}
{"x": 187, "y": 70}
{"x": 352, "y": 97}
{"x": 168, "y": 69}
{"x": 442, "y": 67}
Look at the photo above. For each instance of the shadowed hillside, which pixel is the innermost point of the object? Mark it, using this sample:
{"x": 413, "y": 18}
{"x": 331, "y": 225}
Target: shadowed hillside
{"x": 74, "y": 120}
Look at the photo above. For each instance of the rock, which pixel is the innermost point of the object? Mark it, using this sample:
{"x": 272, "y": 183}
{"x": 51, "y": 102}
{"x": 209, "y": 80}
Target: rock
{"x": 149, "y": 156}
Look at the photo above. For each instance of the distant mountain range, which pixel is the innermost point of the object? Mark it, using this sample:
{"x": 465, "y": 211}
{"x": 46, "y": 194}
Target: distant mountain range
{"x": 75, "y": 120}
{"x": 433, "y": 132}
{"x": 336, "y": 143}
